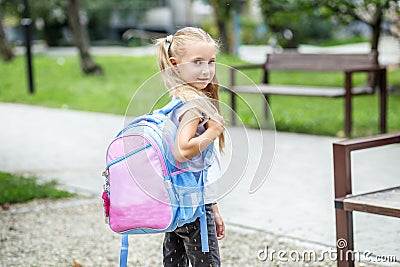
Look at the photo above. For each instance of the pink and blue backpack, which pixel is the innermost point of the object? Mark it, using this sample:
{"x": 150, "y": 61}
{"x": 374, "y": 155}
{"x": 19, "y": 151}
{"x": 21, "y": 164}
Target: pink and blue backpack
{"x": 146, "y": 190}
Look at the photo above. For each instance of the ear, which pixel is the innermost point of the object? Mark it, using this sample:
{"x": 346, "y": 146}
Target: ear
{"x": 173, "y": 61}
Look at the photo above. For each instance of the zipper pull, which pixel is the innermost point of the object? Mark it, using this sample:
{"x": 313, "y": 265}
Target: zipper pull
{"x": 105, "y": 173}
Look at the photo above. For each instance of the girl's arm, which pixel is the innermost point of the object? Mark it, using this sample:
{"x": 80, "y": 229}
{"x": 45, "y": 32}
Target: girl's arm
{"x": 187, "y": 145}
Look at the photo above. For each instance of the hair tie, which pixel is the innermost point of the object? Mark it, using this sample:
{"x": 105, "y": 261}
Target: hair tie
{"x": 169, "y": 38}
{"x": 169, "y": 42}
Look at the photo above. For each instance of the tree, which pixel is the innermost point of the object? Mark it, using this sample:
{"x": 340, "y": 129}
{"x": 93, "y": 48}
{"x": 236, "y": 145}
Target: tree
{"x": 59, "y": 11}
{"x": 222, "y": 13}
{"x": 5, "y": 48}
{"x": 81, "y": 39}
{"x": 369, "y": 11}
{"x": 292, "y": 22}
{"x": 394, "y": 14}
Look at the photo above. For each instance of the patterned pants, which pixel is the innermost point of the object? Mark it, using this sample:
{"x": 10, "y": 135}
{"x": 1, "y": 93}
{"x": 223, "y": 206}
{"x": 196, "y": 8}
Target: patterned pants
{"x": 184, "y": 245}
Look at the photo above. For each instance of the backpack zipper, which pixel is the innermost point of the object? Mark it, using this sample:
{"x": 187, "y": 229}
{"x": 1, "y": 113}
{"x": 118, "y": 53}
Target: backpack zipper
{"x": 152, "y": 143}
{"x": 128, "y": 155}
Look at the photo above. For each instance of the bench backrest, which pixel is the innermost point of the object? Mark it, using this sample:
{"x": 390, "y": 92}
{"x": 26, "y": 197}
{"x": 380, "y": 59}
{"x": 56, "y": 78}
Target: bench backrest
{"x": 319, "y": 62}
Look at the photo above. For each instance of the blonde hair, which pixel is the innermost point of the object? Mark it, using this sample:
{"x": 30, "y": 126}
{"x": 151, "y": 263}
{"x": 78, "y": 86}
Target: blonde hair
{"x": 207, "y": 100}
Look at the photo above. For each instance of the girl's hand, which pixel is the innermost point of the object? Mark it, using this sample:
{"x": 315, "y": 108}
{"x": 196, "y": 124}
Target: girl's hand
{"x": 187, "y": 144}
{"x": 216, "y": 123}
{"x": 219, "y": 223}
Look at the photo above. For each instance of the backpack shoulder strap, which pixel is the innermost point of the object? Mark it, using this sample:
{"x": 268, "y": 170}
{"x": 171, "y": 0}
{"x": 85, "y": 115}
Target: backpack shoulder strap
{"x": 204, "y": 232}
{"x": 168, "y": 108}
{"x": 203, "y": 219}
{"x": 171, "y": 106}
{"x": 123, "y": 258}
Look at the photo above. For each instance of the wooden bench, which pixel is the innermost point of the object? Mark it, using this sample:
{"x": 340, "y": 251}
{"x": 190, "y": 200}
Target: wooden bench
{"x": 384, "y": 202}
{"x": 293, "y": 61}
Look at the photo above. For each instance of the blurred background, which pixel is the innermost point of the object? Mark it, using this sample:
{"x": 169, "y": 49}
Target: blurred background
{"x": 282, "y": 23}
{"x": 113, "y": 39}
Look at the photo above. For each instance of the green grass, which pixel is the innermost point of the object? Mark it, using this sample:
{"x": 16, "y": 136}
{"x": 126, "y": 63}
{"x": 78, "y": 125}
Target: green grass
{"x": 60, "y": 84}
{"x": 15, "y": 189}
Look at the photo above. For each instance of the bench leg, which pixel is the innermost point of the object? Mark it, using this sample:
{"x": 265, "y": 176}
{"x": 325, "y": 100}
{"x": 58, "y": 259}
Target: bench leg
{"x": 344, "y": 238}
{"x": 383, "y": 100}
{"x": 266, "y": 106}
{"x": 233, "y": 109}
{"x": 347, "y": 103}
{"x": 347, "y": 118}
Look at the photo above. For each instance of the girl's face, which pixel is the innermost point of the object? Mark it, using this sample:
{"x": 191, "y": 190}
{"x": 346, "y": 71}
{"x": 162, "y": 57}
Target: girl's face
{"x": 197, "y": 65}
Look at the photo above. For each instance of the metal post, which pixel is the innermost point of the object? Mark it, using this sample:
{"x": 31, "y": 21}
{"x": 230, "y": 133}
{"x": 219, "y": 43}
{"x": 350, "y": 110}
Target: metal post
{"x": 26, "y": 23}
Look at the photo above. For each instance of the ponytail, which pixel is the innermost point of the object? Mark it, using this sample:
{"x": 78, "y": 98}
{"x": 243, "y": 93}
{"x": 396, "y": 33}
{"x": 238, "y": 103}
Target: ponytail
{"x": 163, "y": 56}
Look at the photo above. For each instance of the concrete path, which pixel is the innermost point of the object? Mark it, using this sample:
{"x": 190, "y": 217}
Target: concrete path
{"x": 296, "y": 199}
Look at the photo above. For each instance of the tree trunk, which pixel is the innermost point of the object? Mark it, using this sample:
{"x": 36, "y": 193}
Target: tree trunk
{"x": 395, "y": 29}
{"x": 223, "y": 35}
{"x": 376, "y": 31}
{"x": 222, "y": 18}
{"x": 81, "y": 39}
{"x": 5, "y": 48}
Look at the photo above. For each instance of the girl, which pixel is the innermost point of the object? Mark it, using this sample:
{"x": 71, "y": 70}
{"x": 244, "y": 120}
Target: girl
{"x": 187, "y": 61}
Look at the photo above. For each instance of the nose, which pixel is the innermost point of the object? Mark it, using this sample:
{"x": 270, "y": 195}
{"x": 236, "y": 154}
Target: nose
{"x": 205, "y": 68}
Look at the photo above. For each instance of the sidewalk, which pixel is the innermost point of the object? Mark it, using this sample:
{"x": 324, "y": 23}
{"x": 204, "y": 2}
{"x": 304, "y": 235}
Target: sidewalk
{"x": 295, "y": 201}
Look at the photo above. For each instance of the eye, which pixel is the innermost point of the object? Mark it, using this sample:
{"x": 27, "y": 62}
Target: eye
{"x": 197, "y": 62}
{"x": 211, "y": 62}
